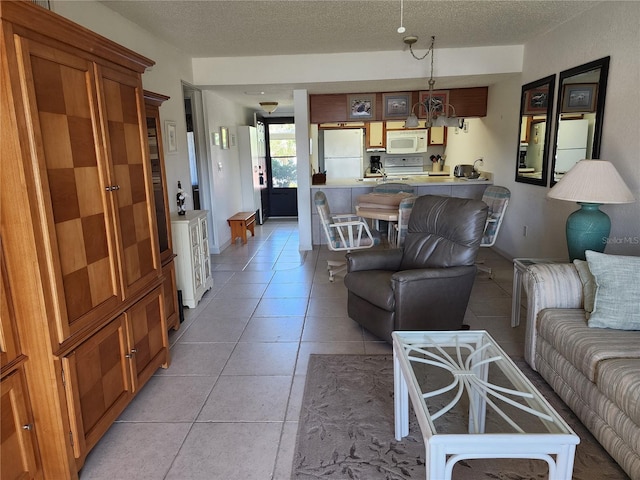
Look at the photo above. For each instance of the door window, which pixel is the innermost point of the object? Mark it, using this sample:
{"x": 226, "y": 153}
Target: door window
{"x": 282, "y": 148}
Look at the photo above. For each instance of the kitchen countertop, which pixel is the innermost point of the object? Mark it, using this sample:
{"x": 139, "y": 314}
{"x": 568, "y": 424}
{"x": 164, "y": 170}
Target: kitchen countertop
{"x": 416, "y": 180}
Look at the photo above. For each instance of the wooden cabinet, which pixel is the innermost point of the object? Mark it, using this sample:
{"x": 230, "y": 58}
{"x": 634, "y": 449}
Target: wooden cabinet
{"x": 156, "y": 158}
{"x": 437, "y": 136}
{"x": 79, "y": 235}
{"x": 102, "y": 374}
{"x": 18, "y": 436}
{"x": 375, "y": 135}
{"x": 18, "y": 441}
{"x": 193, "y": 264}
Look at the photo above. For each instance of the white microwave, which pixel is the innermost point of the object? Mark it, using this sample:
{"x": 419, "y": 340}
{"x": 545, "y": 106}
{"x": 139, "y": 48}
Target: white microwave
{"x": 404, "y": 142}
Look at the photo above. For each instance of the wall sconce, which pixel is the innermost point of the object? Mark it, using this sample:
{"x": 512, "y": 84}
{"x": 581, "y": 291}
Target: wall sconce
{"x": 269, "y": 107}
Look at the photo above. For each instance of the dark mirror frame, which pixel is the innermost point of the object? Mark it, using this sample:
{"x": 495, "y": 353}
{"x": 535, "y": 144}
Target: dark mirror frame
{"x": 603, "y": 65}
{"x": 548, "y": 82}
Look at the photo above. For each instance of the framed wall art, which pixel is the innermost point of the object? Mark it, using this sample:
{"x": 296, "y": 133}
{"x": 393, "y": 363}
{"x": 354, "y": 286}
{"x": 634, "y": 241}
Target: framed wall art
{"x": 361, "y": 107}
{"x": 536, "y": 101}
{"x": 439, "y": 100}
{"x": 170, "y": 129}
{"x": 579, "y": 97}
{"x": 396, "y": 105}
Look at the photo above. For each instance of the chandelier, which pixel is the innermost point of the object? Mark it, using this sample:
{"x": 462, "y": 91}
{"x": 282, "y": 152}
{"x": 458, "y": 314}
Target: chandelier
{"x": 436, "y": 111}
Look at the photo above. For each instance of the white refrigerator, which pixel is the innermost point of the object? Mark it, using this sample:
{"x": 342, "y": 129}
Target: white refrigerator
{"x": 343, "y": 153}
{"x": 252, "y": 171}
{"x": 572, "y": 144}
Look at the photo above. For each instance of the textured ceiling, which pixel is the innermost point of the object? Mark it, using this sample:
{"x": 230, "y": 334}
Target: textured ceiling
{"x": 271, "y": 27}
{"x": 236, "y": 28}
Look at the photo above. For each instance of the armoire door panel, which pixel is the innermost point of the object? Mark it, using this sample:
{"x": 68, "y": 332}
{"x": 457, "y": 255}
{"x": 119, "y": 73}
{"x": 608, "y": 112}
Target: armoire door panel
{"x": 148, "y": 338}
{"x": 97, "y": 383}
{"x": 126, "y": 142}
{"x": 63, "y": 105}
{"x": 9, "y": 341}
{"x": 17, "y": 436}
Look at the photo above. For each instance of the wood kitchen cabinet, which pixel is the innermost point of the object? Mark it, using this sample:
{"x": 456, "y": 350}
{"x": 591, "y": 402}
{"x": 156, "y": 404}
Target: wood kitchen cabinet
{"x": 375, "y": 135}
{"x": 79, "y": 234}
{"x": 153, "y": 101}
{"x": 437, "y": 136}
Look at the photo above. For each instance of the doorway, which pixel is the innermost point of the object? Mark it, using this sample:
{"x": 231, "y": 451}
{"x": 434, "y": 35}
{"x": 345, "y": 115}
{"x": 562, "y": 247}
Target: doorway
{"x": 282, "y": 172}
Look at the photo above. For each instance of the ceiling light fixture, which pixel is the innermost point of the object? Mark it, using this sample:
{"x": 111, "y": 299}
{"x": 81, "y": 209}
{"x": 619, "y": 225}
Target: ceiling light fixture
{"x": 269, "y": 107}
{"x": 401, "y": 28}
{"x": 437, "y": 112}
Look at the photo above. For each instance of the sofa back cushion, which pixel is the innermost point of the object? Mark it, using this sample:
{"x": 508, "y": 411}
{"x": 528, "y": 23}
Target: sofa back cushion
{"x": 617, "y": 300}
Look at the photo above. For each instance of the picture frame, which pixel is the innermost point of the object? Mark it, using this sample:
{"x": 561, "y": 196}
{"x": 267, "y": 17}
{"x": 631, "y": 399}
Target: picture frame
{"x": 439, "y": 98}
{"x": 536, "y": 101}
{"x": 396, "y": 105}
{"x": 170, "y": 130}
{"x": 361, "y": 107}
{"x": 579, "y": 97}
{"x": 224, "y": 138}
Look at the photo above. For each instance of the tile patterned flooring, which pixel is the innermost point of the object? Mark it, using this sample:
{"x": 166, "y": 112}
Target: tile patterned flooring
{"x": 228, "y": 406}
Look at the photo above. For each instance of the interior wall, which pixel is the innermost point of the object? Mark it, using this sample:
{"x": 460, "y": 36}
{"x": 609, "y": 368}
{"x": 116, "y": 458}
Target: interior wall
{"x": 224, "y": 166}
{"x": 165, "y": 77}
{"x": 608, "y": 29}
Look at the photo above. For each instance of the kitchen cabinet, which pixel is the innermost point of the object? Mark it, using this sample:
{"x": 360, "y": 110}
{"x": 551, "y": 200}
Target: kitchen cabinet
{"x": 79, "y": 229}
{"x": 437, "y": 136}
{"x": 327, "y": 108}
{"x": 193, "y": 264}
{"x": 102, "y": 374}
{"x": 375, "y": 135}
{"x": 153, "y": 101}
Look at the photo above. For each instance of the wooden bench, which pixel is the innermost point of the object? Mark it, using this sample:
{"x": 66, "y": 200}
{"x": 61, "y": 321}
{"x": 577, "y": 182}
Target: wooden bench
{"x": 240, "y": 223}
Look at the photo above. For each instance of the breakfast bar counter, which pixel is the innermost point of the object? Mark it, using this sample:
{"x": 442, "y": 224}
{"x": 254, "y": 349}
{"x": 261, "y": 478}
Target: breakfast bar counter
{"x": 342, "y": 195}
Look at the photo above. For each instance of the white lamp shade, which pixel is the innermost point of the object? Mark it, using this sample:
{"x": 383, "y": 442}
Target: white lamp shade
{"x": 592, "y": 181}
{"x": 412, "y": 121}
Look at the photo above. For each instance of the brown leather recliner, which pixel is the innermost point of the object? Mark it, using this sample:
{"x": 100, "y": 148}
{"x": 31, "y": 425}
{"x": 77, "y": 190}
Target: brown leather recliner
{"x": 425, "y": 285}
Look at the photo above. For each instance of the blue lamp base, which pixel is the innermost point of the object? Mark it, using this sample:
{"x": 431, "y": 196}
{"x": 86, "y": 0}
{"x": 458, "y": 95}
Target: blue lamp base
{"x": 587, "y": 229}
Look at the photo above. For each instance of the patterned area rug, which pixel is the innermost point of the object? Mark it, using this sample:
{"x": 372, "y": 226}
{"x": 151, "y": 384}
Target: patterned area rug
{"x": 346, "y": 430}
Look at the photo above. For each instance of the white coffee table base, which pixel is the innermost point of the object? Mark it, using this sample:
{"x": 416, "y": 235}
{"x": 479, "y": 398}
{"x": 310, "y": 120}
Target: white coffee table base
{"x": 445, "y": 450}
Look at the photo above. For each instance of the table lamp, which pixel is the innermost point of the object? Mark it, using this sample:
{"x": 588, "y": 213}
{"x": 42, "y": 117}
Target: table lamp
{"x": 590, "y": 183}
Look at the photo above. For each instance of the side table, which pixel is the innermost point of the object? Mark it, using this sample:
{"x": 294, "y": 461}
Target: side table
{"x": 520, "y": 266}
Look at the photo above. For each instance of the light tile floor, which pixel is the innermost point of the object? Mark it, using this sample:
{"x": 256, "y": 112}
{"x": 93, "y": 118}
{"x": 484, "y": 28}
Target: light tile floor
{"x": 228, "y": 406}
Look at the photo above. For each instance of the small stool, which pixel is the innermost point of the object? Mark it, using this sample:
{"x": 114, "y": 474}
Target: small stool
{"x": 240, "y": 223}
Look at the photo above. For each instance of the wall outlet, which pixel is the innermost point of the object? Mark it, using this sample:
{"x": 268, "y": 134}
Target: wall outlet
{"x": 524, "y": 231}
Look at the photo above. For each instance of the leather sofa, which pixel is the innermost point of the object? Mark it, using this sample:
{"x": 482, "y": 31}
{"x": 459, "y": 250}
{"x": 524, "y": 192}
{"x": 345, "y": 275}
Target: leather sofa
{"x": 596, "y": 371}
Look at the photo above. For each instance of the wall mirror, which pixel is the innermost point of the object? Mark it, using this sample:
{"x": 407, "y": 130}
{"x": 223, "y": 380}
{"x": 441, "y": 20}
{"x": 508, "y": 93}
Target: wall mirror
{"x": 579, "y": 115}
{"x": 532, "y": 157}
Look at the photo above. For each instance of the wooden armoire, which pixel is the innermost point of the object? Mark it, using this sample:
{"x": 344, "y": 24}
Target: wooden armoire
{"x": 83, "y": 292}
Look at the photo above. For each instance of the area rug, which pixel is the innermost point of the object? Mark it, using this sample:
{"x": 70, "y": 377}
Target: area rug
{"x": 346, "y": 430}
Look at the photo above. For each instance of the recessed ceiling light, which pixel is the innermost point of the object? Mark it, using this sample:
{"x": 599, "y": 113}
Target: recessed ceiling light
{"x": 254, "y": 93}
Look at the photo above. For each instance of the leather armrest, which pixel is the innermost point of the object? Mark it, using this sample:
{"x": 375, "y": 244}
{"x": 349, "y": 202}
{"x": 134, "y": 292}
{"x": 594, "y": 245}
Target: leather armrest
{"x": 421, "y": 274}
{"x": 388, "y": 259}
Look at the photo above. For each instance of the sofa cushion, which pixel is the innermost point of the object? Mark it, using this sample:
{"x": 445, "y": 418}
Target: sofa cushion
{"x": 618, "y": 290}
{"x": 566, "y": 330}
{"x": 619, "y": 380}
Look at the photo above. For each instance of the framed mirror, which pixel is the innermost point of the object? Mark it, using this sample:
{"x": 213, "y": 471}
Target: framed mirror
{"x": 579, "y": 115}
{"x": 532, "y": 157}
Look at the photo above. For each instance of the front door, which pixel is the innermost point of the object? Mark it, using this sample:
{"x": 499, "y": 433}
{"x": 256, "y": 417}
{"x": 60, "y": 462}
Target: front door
{"x": 282, "y": 167}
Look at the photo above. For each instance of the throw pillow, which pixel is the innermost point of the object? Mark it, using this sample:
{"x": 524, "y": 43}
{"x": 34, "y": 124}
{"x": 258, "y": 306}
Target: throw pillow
{"x": 588, "y": 285}
{"x": 617, "y": 302}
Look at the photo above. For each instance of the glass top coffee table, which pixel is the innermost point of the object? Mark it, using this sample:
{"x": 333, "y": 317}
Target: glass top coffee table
{"x": 471, "y": 401}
